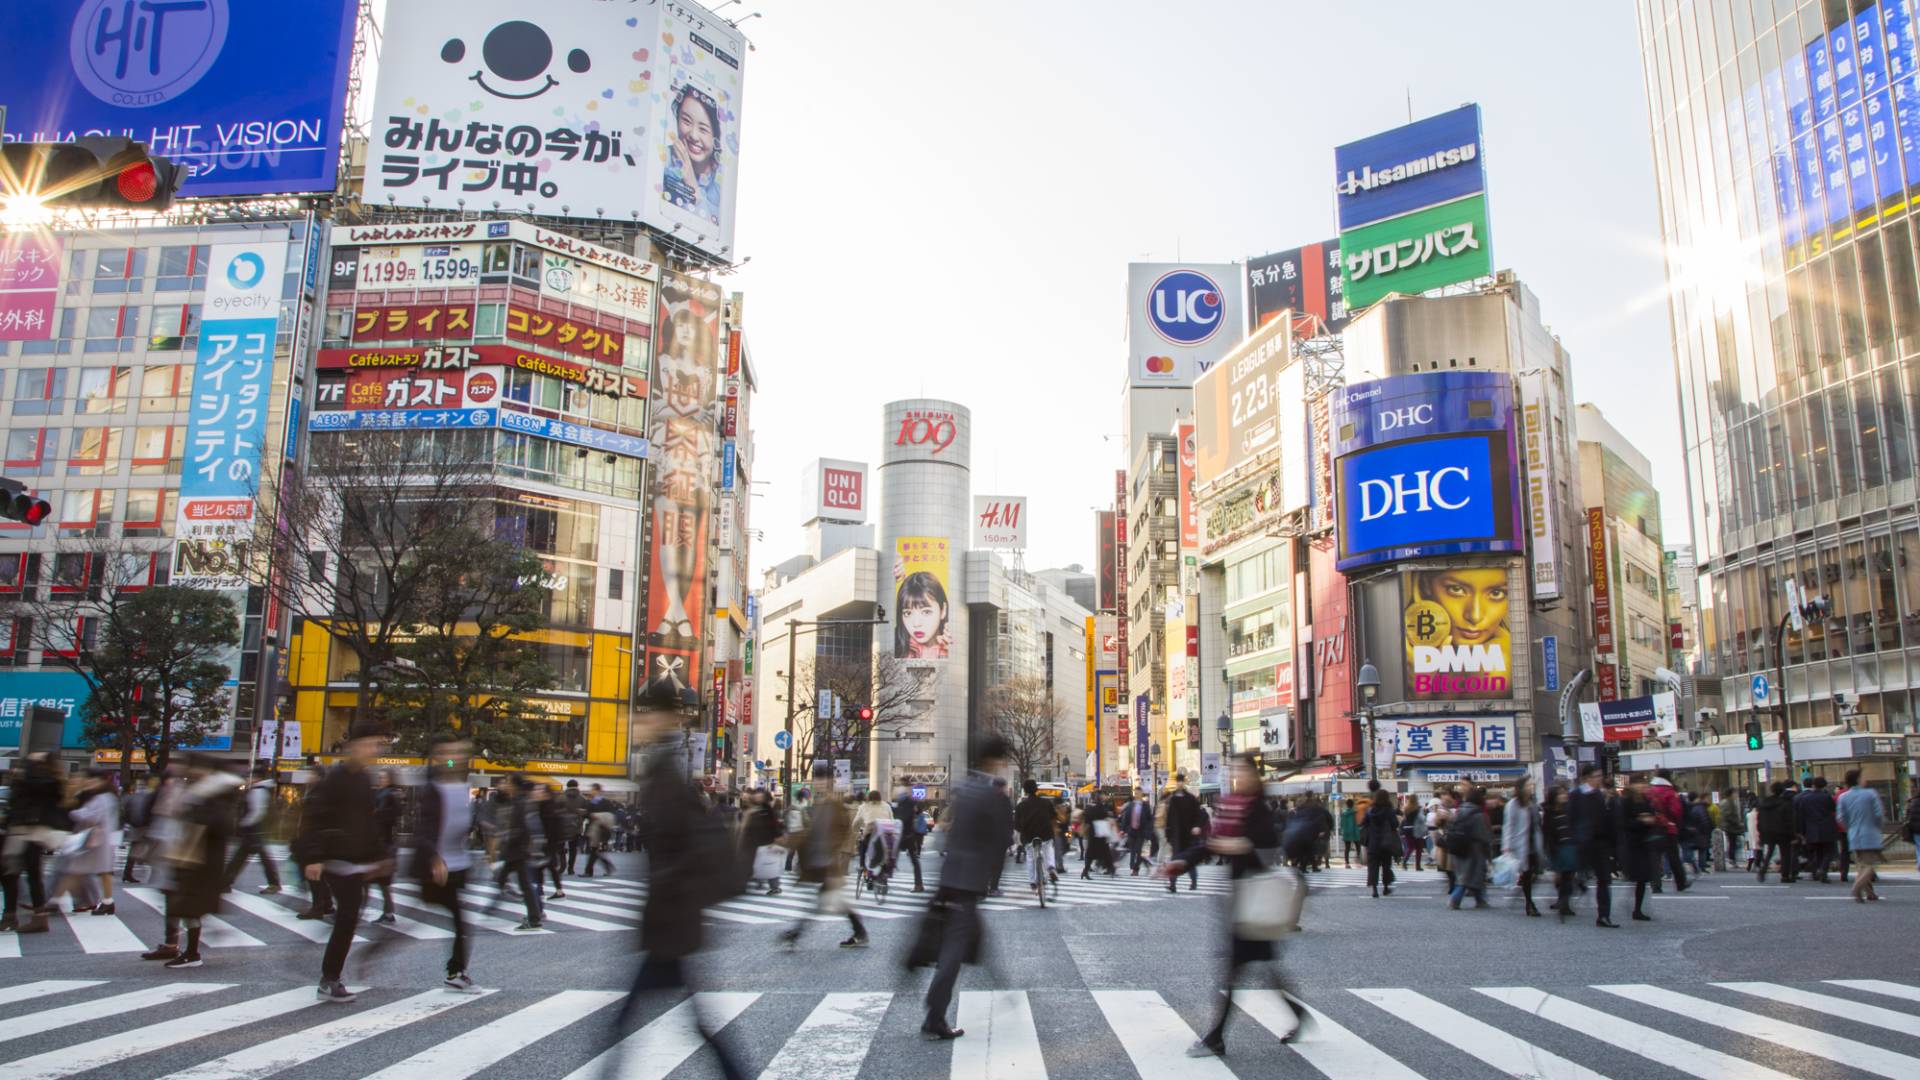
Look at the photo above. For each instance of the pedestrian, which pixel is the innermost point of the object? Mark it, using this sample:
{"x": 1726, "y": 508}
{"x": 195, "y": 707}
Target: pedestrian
{"x": 572, "y": 808}
{"x": 913, "y": 831}
{"x": 759, "y": 841}
{"x": 1159, "y": 830}
{"x": 1243, "y": 826}
{"x": 1440, "y": 813}
{"x": 1523, "y": 839}
{"x": 1556, "y": 829}
{"x": 443, "y": 818}
{"x": 1910, "y": 828}
{"x": 1470, "y": 846}
{"x": 1643, "y": 842}
{"x": 1667, "y": 843}
{"x": 868, "y": 813}
{"x": 825, "y": 847}
{"x": 1098, "y": 824}
{"x": 975, "y": 849}
{"x": 1350, "y": 834}
{"x": 1311, "y": 823}
{"x": 1816, "y": 825}
{"x": 1379, "y": 840}
{"x": 136, "y": 814}
{"x": 1182, "y": 811}
{"x": 1136, "y": 823}
{"x": 1863, "y": 816}
{"x": 1697, "y": 834}
{"x": 523, "y": 846}
{"x": 1717, "y": 841}
{"x": 88, "y": 855}
{"x": 1413, "y": 833}
{"x": 798, "y": 817}
{"x": 603, "y": 829}
{"x": 340, "y": 845}
{"x": 193, "y": 869}
{"x": 258, "y": 799}
{"x": 1033, "y": 822}
{"x": 386, "y": 819}
{"x": 1775, "y": 831}
{"x": 1591, "y": 829}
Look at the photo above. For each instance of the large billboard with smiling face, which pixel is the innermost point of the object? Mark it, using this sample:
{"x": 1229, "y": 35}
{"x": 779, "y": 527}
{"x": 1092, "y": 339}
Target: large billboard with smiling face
{"x": 1425, "y": 465}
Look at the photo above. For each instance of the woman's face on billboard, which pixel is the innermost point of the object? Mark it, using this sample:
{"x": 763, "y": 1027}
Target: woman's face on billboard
{"x": 922, "y": 618}
{"x": 696, "y": 132}
{"x": 1476, "y": 603}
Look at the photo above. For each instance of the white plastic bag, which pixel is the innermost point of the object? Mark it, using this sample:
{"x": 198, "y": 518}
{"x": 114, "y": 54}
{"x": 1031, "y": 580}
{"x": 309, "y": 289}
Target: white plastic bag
{"x": 1266, "y": 905}
{"x": 768, "y": 862}
{"x": 1506, "y": 870}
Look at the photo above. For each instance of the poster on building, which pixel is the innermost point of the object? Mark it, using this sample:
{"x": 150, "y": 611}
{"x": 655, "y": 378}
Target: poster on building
{"x": 1456, "y": 738}
{"x": 683, "y": 444}
{"x": 29, "y": 284}
{"x": 921, "y": 629}
{"x": 1237, "y": 406}
{"x": 1537, "y": 455}
{"x": 1454, "y": 622}
{"x": 1303, "y": 280}
{"x": 1632, "y": 718}
{"x": 583, "y": 110}
{"x": 1109, "y": 559}
{"x": 1600, "y": 572}
{"x": 1181, "y": 319}
{"x": 227, "y": 416}
{"x": 1412, "y": 207}
{"x": 1120, "y": 575}
{"x": 999, "y": 523}
{"x": 1187, "y": 438}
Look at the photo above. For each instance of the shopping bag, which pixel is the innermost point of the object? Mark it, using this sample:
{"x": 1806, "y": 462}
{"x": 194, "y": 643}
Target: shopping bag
{"x": 1506, "y": 870}
{"x": 1104, "y": 830}
{"x": 74, "y": 844}
{"x": 1266, "y": 905}
{"x": 768, "y": 862}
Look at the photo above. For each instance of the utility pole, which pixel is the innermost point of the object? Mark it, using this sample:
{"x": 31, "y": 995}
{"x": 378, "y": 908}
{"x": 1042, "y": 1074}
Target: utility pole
{"x": 786, "y": 769}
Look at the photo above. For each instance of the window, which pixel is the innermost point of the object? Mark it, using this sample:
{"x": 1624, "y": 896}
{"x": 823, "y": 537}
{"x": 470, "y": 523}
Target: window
{"x": 32, "y": 451}
{"x": 182, "y": 268}
{"x": 40, "y": 392}
{"x": 96, "y": 452}
{"x": 13, "y": 571}
{"x": 111, "y": 329}
{"x": 145, "y": 513}
{"x": 102, "y": 390}
{"x": 616, "y": 583}
{"x": 118, "y": 270}
{"x": 154, "y": 450}
{"x": 61, "y": 342}
{"x": 15, "y": 634}
{"x": 70, "y": 572}
{"x": 173, "y": 326}
{"x": 85, "y": 509}
{"x": 166, "y": 388}
{"x": 490, "y": 321}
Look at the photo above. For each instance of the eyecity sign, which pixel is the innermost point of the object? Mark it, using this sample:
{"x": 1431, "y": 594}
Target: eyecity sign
{"x": 1425, "y": 465}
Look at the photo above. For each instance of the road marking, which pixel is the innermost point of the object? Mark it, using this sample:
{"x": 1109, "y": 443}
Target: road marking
{"x": 404, "y": 896}
{"x": 580, "y": 921}
{"x": 486, "y": 1046}
{"x": 1325, "y": 1045}
{"x": 102, "y": 933}
{"x": 547, "y": 902}
{"x": 1154, "y": 1036}
{"x": 1850, "y": 1052}
{"x": 122, "y": 1045}
{"x": 279, "y": 915}
{"x": 10, "y": 946}
{"x": 301, "y": 1047}
{"x": 1002, "y": 1042}
{"x": 831, "y": 1043}
{"x": 19, "y": 1027}
{"x": 44, "y": 987}
{"x": 215, "y": 932}
{"x": 667, "y": 1040}
{"x": 1654, "y": 1045}
{"x": 1859, "y": 1013}
{"x": 1508, "y": 1053}
{"x": 1878, "y": 986}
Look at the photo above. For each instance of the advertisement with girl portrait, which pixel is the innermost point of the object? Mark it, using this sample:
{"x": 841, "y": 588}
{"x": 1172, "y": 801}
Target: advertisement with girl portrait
{"x": 699, "y": 126}
{"x": 922, "y": 628}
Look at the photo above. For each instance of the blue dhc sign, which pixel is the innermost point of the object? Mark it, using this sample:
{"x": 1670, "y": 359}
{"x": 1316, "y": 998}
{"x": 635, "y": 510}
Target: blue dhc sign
{"x": 1410, "y": 168}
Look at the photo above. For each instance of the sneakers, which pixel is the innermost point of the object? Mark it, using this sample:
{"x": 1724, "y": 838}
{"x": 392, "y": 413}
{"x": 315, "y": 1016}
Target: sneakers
{"x": 857, "y": 941}
{"x": 335, "y": 992}
{"x": 459, "y": 983}
{"x": 161, "y": 952}
{"x": 184, "y": 960}
{"x": 528, "y": 924}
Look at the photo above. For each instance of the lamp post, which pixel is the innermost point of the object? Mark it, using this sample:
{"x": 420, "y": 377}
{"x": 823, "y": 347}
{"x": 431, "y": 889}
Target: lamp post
{"x": 1369, "y": 684}
{"x": 1154, "y": 753}
{"x": 1223, "y": 728}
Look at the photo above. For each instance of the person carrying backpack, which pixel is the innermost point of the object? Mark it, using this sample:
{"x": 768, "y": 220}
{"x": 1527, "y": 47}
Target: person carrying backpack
{"x": 914, "y": 828}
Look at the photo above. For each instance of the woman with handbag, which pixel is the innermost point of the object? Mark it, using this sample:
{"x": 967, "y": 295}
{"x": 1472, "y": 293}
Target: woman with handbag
{"x": 1380, "y": 842}
{"x": 758, "y": 842}
{"x": 1469, "y": 842}
{"x": 1242, "y": 825}
{"x": 1523, "y": 839}
{"x": 90, "y": 847}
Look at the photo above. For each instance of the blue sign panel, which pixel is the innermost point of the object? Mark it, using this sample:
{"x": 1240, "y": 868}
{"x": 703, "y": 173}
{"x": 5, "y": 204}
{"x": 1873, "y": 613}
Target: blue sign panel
{"x": 1761, "y": 688}
{"x": 248, "y": 95}
{"x": 1550, "y": 663}
{"x": 782, "y": 740}
{"x": 401, "y": 419}
{"x": 1140, "y": 764}
{"x": 1425, "y": 466}
{"x": 20, "y": 691}
{"x": 577, "y": 434}
{"x": 726, "y": 465}
{"x": 1423, "y": 164}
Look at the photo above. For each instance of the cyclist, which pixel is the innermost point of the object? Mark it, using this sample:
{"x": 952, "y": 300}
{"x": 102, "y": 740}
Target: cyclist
{"x": 879, "y": 835}
{"x": 1034, "y": 820}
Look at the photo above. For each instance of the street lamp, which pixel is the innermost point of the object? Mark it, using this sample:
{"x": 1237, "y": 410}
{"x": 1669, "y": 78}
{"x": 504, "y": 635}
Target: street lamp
{"x": 1154, "y": 753}
{"x": 1369, "y": 684}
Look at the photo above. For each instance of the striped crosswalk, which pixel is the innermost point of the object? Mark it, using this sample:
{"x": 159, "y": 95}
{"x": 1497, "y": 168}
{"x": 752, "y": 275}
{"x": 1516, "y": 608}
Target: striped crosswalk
{"x": 211, "y": 1030}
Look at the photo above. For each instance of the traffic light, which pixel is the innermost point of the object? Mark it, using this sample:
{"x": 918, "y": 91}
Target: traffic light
{"x": 101, "y": 172}
{"x": 17, "y": 505}
{"x": 862, "y": 713}
{"x": 1756, "y": 739}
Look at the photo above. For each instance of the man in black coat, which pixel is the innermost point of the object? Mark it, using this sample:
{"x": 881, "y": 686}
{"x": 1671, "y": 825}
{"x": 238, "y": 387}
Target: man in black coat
{"x": 1590, "y": 818}
{"x": 1816, "y": 823}
{"x": 1775, "y": 814}
{"x": 340, "y": 845}
{"x": 1183, "y": 829}
{"x": 976, "y": 848}
{"x": 442, "y": 821}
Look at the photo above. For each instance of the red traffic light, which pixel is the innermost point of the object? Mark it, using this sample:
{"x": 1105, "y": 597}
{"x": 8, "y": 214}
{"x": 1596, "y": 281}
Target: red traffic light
{"x": 17, "y": 505}
{"x": 93, "y": 171}
{"x": 138, "y": 182}
{"x": 863, "y": 712}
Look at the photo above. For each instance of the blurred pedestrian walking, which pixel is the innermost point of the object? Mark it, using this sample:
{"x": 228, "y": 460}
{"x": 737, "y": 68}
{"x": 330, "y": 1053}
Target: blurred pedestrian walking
{"x": 196, "y": 820}
{"x": 86, "y": 857}
{"x": 825, "y": 847}
{"x": 1379, "y": 842}
{"x": 976, "y": 847}
{"x": 253, "y": 825}
{"x": 1864, "y": 818}
{"x": 441, "y": 859}
{"x": 340, "y": 846}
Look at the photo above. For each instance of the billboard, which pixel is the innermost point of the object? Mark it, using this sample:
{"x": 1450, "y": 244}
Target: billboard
{"x": 999, "y": 522}
{"x": 1109, "y": 560}
{"x": 1181, "y": 319}
{"x": 1330, "y": 670}
{"x": 227, "y": 418}
{"x": 580, "y": 109}
{"x": 924, "y": 430}
{"x": 1412, "y": 207}
{"x": 680, "y": 424}
{"x": 839, "y": 489}
{"x": 1424, "y": 465}
{"x": 1189, "y": 503}
{"x": 1456, "y": 640}
{"x": 1455, "y": 739}
{"x": 1237, "y": 405}
{"x": 1537, "y": 445}
{"x": 1633, "y": 718}
{"x": 922, "y": 629}
{"x": 250, "y": 97}
{"x": 20, "y": 691}
{"x": 29, "y": 282}
{"x": 1303, "y": 280}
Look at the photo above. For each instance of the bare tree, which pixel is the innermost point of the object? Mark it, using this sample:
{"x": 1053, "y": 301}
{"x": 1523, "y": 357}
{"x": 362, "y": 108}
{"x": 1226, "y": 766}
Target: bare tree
{"x": 358, "y": 536}
{"x": 897, "y": 692}
{"x": 1024, "y": 711}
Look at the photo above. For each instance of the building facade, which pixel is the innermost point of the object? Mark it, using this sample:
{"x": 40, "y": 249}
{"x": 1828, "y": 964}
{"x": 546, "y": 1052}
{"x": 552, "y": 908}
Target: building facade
{"x": 1617, "y": 479}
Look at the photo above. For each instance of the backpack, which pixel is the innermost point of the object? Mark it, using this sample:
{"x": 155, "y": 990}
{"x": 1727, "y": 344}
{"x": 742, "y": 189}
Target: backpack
{"x": 920, "y": 826}
{"x": 1459, "y": 843}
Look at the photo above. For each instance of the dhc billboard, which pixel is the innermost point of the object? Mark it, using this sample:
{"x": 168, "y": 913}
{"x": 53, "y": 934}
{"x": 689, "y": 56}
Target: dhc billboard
{"x": 1425, "y": 466}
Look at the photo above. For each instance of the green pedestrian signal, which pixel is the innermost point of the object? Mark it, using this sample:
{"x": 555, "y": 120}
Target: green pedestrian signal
{"x": 1756, "y": 739}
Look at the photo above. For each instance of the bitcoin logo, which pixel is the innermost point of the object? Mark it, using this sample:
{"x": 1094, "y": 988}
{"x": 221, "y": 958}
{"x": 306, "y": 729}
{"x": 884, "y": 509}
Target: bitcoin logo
{"x": 1426, "y": 623}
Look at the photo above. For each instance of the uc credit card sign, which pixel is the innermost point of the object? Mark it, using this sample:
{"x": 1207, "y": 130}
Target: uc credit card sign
{"x": 1425, "y": 466}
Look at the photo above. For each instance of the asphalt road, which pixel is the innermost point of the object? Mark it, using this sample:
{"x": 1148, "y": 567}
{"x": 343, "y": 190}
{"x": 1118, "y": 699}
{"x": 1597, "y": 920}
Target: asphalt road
{"x": 1115, "y": 980}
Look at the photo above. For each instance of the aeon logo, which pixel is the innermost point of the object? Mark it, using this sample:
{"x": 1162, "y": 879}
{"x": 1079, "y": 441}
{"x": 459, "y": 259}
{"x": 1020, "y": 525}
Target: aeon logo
{"x": 1185, "y": 307}
{"x": 137, "y": 53}
{"x": 1391, "y": 497}
{"x": 1411, "y": 416}
{"x": 246, "y": 270}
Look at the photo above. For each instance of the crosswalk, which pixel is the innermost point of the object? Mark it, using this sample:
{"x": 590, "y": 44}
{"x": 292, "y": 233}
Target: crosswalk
{"x": 1713, "y": 1031}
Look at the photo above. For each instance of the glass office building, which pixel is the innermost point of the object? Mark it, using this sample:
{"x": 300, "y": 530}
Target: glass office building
{"x": 1786, "y": 139}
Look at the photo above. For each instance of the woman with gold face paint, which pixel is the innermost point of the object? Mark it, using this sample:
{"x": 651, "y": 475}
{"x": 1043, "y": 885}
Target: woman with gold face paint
{"x": 1458, "y": 642}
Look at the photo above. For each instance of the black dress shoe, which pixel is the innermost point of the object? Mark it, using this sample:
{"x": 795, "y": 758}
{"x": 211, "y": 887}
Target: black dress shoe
{"x": 1608, "y": 923}
{"x": 1638, "y": 917}
{"x": 938, "y": 1030}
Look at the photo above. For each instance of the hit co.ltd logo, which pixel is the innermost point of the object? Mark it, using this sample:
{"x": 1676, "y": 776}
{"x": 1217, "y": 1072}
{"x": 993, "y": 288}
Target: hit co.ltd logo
{"x": 1185, "y": 307}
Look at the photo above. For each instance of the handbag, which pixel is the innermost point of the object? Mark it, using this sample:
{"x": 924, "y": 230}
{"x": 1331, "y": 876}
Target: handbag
{"x": 768, "y": 862}
{"x": 1506, "y": 870}
{"x": 1104, "y": 829}
{"x": 1266, "y": 905}
{"x": 74, "y": 844}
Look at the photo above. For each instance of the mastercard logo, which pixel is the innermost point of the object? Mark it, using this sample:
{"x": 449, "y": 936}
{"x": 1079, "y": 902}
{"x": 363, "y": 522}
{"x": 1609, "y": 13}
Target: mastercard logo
{"x": 1159, "y": 365}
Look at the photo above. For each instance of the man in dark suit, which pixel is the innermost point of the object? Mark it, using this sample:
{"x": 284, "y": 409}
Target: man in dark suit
{"x": 1590, "y": 818}
{"x": 976, "y": 848}
{"x": 443, "y": 819}
{"x": 1183, "y": 828}
{"x": 1816, "y": 823}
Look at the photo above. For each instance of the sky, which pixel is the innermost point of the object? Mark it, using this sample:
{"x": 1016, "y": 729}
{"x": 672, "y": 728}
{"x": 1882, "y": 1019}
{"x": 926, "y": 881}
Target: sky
{"x": 941, "y": 200}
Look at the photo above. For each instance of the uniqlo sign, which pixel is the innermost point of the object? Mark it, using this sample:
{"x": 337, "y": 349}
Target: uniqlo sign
{"x": 840, "y": 490}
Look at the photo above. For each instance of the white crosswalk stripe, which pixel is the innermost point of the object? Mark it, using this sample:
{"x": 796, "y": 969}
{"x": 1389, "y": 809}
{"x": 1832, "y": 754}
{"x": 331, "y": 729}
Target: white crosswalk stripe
{"x": 810, "y": 1035}
{"x": 215, "y": 932}
{"x": 102, "y": 933}
{"x": 282, "y": 916}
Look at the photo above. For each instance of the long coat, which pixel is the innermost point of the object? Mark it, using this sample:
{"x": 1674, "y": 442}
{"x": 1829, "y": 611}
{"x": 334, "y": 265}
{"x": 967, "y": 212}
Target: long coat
{"x": 1522, "y": 836}
{"x": 198, "y": 854}
{"x": 1637, "y": 837}
{"x": 100, "y": 815}
{"x": 1470, "y": 869}
{"x": 671, "y": 920}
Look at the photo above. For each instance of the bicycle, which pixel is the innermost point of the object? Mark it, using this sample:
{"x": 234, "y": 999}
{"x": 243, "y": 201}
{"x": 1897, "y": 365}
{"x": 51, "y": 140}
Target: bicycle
{"x": 1039, "y": 858}
{"x": 883, "y": 848}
